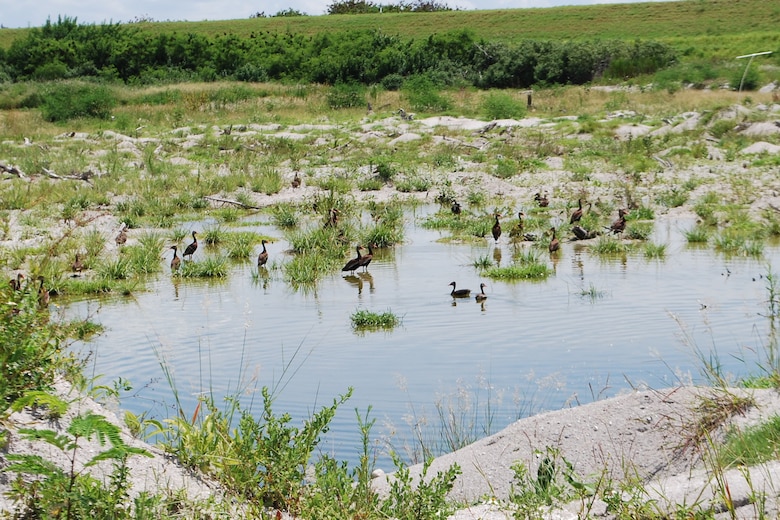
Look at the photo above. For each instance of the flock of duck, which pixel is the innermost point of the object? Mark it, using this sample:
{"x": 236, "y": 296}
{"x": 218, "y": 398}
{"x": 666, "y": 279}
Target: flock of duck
{"x": 517, "y": 233}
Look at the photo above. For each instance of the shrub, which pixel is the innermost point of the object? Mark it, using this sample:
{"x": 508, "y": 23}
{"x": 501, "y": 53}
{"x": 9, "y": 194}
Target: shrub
{"x": 346, "y": 95}
{"x": 423, "y": 95}
{"x": 500, "y": 105}
{"x": 65, "y": 101}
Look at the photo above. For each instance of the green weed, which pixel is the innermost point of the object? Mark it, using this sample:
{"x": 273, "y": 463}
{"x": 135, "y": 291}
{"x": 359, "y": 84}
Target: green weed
{"x": 364, "y": 319}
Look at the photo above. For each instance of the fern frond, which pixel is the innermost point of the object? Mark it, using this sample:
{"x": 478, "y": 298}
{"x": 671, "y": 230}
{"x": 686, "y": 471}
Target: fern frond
{"x": 97, "y": 426}
{"x": 57, "y": 407}
{"x": 32, "y": 465}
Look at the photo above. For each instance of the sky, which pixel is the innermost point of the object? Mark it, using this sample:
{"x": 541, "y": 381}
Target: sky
{"x": 34, "y": 13}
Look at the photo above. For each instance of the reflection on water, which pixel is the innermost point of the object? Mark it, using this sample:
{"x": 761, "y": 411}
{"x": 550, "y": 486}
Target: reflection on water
{"x": 594, "y": 328}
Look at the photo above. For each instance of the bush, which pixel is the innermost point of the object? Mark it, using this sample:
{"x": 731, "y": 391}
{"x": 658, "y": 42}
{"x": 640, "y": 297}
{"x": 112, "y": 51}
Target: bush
{"x": 65, "y": 101}
{"x": 392, "y": 82}
{"x": 745, "y": 79}
{"x": 423, "y": 95}
{"x": 344, "y": 95}
{"x": 500, "y": 105}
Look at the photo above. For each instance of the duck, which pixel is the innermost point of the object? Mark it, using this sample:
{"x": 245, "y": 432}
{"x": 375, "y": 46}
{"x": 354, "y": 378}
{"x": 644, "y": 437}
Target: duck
{"x": 517, "y": 230}
{"x": 542, "y": 200}
{"x": 577, "y": 213}
{"x": 481, "y": 296}
{"x": 366, "y": 259}
{"x": 455, "y": 208}
{"x": 459, "y": 293}
{"x": 581, "y": 233}
{"x": 296, "y": 182}
{"x": 619, "y": 225}
{"x": 16, "y": 283}
{"x": 78, "y": 264}
{"x": 555, "y": 245}
{"x": 121, "y": 238}
{"x": 262, "y": 258}
{"x": 43, "y": 294}
{"x": 175, "y": 261}
{"x": 192, "y": 247}
{"x": 496, "y": 230}
{"x": 355, "y": 262}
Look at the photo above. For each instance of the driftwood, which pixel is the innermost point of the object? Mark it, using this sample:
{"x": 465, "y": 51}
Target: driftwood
{"x": 83, "y": 176}
{"x": 13, "y": 170}
{"x": 229, "y": 201}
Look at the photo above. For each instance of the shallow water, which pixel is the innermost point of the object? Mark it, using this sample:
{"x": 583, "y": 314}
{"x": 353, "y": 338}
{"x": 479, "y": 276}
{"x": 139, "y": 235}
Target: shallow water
{"x": 596, "y": 327}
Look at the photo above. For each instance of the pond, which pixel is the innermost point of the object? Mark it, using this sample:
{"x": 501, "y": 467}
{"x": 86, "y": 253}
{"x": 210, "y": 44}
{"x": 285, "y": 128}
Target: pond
{"x": 596, "y": 327}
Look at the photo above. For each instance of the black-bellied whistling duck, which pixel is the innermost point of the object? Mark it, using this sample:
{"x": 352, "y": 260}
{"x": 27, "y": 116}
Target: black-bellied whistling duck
{"x": 16, "y": 283}
{"x": 175, "y": 261}
{"x": 355, "y": 262}
{"x": 517, "y": 230}
{"x": 192, "y": 247}
{"x": 455, "y": 207}
{"x": 481, "y": 296}
{"x": 542, "y": 200}
{"x": 296, "y": 182}
{"x": 619, "y": 225}
{"x": 43, "y": 295}
{"x": 496, "y": 230}
{"x": 262, "y": 258}
{"x": 78, "y": 264}
{"x": 121, "y": 238}
{"x": 554, "y": 243}
{"x": 333, "y": 218}
{"x": 581, "y": 233}
{"x": 366, "y": 259}
{"x": 577, "y": 213}
{"x": 459, "y": 293}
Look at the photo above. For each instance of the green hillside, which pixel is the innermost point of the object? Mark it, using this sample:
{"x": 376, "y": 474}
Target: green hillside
{"x": 719, "y": 29}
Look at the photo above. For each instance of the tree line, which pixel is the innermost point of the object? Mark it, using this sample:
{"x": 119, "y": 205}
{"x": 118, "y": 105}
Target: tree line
{"x": 125, "y": 53}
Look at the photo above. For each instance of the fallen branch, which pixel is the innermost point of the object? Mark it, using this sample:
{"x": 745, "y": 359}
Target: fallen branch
{"x": 83, "y": 176}
{"x": 229, "y": 201}
{"x": 13, "y": 170}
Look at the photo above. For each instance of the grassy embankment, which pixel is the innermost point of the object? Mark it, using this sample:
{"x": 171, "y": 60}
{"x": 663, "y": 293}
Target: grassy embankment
{"x": 710, "y": 30}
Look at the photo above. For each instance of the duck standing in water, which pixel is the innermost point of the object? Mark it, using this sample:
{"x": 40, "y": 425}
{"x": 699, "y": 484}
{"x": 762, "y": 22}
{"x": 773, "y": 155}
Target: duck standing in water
{"x": 366, "y": 259}
{"x": 459, "y": 293}
{"x": 355, "y": 262}
{"x": 555, "y": 244}
{"x": 262, "y": 258}
{"x": 496, "y": 230}
{"x": 175, "y": 261}
{"x": 192, "y": 247}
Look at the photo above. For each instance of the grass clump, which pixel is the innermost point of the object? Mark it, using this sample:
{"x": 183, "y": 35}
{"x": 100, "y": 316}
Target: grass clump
{"x": 210, "y": 267}
{"x": 606, "y": 245}
{"x": 753, "y": 446}
{"x": 525, "y": 266}
{"x": 364, "y": 319}
{"x": 652, "y": 250}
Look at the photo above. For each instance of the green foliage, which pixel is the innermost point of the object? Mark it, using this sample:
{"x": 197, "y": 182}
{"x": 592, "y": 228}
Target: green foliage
{"x": 264, "y": 459}
{"x": 76, "y": 494}
{"x": 423, "y": 95}
{"x": 346, "y": 95}
{"x": 423, "y": 500}
{"x": 753, "y": 446}
{"x": 500, "y": 105}
{"x": 525, "y": 267}
{"x": 745, "y": 78}
{"x": 555, "y": 482}
{"x": 29, "y": 345}
{"x": 65, "y": 49}
{"x": 364, "y": 319}
{"x": 66, "y": 101}
{"x": 211, "y": 267}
